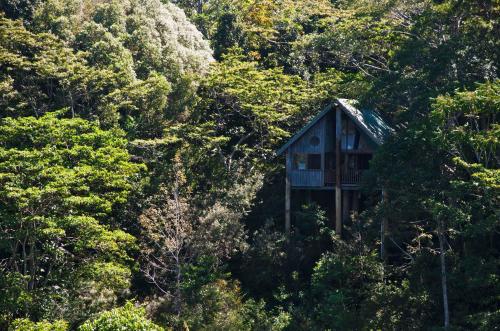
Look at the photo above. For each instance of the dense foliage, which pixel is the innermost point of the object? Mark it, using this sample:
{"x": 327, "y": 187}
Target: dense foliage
{"x": 62, "y": 181}
{"x": 137, "y": 162}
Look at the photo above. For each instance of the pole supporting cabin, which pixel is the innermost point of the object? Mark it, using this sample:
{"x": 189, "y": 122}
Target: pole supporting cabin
{"x": 288, "y": 196}
{"x": 338, "y": 179}
{"x": 327, "y": 157}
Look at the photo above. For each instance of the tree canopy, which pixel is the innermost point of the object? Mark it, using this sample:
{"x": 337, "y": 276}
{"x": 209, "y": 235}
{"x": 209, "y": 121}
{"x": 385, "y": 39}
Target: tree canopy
{"x": 140, "y": 187}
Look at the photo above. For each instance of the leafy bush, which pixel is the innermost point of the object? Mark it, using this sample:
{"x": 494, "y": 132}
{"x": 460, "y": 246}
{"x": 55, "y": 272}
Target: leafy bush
{"x": 220, "y": 305}
{"x": 128, "y": 318}
{"x": 24, "y": 324}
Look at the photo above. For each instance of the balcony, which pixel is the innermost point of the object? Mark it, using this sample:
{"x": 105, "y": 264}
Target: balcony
{"x": 324, "y": 179}
{"x": 348, "y": 177}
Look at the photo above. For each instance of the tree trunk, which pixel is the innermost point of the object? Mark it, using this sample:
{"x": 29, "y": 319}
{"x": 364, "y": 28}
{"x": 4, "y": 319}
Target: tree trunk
{"x": 443, "y": 276}
{"x": 178, "y": 290}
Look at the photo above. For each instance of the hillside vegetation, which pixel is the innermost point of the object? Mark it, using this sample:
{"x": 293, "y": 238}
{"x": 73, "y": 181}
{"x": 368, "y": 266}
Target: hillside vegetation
{"x": 139, "y": 187}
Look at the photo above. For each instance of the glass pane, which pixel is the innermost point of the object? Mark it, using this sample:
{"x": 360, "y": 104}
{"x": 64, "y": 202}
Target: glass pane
{"x": 348, "y": 136}
{"x": 299, "y": 162}
{"x": 314, "y": 161}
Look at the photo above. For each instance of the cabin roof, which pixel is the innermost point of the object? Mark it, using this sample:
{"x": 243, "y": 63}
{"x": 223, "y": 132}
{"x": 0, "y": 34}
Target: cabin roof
{"x": 369, "y": 121}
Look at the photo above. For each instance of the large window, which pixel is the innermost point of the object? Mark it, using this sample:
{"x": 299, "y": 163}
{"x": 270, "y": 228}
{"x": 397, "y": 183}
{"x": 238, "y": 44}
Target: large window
{"x": 300, "y": 161}
{"x": 314, "y": 161}
{"x": 303, "y": 161}
{"x": 350, "y": 136}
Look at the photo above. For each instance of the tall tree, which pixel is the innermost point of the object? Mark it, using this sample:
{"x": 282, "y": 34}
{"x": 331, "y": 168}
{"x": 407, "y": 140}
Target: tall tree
{"x": 63, "y": 255}
{"x": 40, "y": 74}
{"x": 451, "y": 193}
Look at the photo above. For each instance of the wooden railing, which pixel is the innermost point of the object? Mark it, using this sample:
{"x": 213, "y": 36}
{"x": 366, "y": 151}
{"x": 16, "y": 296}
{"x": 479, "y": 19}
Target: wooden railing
{"x": 351, "y": 176}
{"x": 348, "y": 177}
{"x": 329, "y": 177}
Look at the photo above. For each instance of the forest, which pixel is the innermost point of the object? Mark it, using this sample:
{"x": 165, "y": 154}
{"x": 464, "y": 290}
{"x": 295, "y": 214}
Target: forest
{"x": 140, "y": 187}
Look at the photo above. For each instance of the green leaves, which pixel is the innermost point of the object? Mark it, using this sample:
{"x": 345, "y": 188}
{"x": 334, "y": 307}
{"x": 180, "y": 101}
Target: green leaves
{"x": 61, "y": 180}
{"x": 76, "y": 71}
{"x": 97, "y": 72}
{"x": 442, "y": 177}
{"x": 27, "y": 325}
{"x": 69, "y": 158}
{"x": 249, "y": 109}
{"x": 127, "y": 317}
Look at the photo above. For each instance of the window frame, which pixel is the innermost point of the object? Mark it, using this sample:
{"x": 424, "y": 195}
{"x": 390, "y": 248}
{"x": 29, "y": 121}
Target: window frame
{"x": 303, "y": 162}
{"x": 296, "y": 163}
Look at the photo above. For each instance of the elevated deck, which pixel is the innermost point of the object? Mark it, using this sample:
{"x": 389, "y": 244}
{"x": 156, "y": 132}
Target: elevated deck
{"x": 325, "y": 179}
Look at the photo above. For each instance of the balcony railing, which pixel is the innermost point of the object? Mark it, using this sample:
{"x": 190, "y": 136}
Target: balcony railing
{"x": 351, "y": 176}
{"x": 348, "y": 177}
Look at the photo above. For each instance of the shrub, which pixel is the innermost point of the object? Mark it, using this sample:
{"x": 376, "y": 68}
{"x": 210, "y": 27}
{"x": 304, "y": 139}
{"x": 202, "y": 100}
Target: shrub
{"x": 128, "y": 317}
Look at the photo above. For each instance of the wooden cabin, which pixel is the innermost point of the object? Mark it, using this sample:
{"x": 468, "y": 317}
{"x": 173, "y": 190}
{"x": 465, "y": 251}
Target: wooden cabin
{"x": 311, "y": 156}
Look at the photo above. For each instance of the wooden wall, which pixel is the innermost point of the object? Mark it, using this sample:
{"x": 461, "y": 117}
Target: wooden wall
{"x": 324, "y": 129}
{"x": 308, "y": 178}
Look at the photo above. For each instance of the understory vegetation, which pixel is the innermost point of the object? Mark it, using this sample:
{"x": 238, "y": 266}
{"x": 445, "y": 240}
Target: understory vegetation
{"x": 140, "y": 190}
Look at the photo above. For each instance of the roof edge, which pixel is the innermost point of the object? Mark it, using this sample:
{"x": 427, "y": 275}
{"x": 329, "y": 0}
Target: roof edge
{"x": 349, "y": 109}
{"x": 304, "y": 129}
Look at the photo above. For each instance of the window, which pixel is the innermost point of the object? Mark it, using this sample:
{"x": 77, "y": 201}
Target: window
{"x": 299, "y": 161}
{"x": 306, "y": 161}
{"x": 314, "y": 161}
{"x": 350, "y": 136}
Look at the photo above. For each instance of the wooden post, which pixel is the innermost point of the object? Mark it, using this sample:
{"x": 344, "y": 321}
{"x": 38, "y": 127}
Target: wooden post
{"x": 345, "y": 205}
{"x": 288, "y": 193}
{"x": 355, "y": 201}
{"x": 338, "y": 179}
{"x": 386, "y": 220}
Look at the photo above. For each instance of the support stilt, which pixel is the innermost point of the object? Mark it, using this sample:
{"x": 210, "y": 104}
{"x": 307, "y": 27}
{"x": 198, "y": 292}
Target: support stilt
{"x": 345, "y": 206}
{"x": 338, "y": 179}
{"x": 355, "y": 201}
{"x": 288, "y": 193}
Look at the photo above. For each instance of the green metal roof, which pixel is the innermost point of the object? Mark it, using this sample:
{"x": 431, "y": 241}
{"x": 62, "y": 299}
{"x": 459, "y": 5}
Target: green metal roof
{"x": 369, "y": 121}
